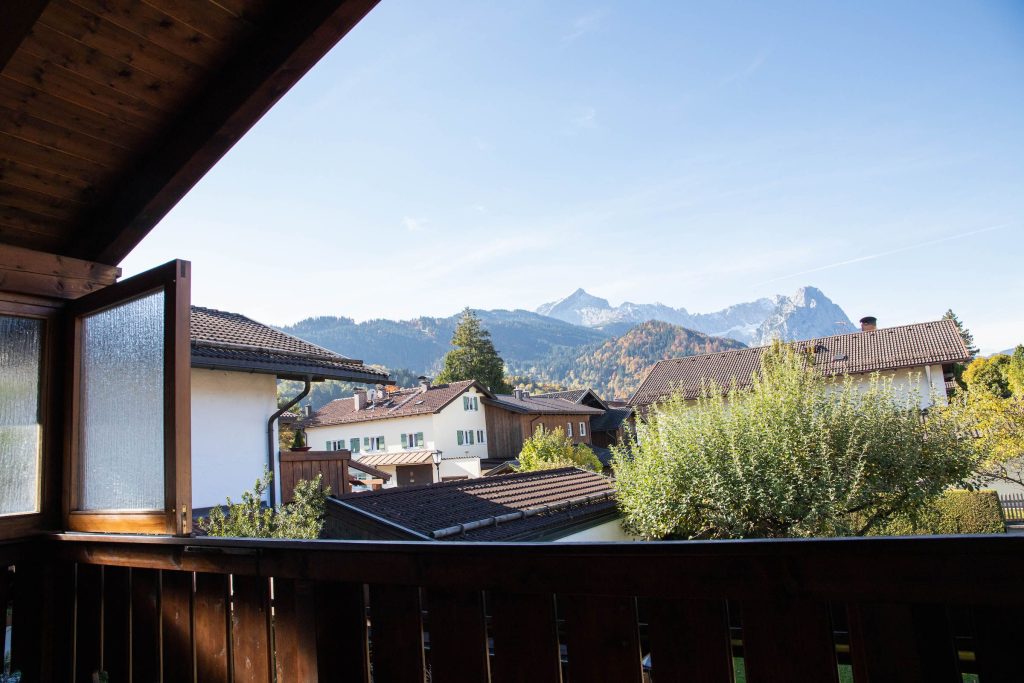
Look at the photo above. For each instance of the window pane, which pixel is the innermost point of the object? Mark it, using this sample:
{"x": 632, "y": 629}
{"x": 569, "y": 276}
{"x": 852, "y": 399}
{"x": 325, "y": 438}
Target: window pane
{"x": 20, "y": 431}
{"x": 122, "y": 407}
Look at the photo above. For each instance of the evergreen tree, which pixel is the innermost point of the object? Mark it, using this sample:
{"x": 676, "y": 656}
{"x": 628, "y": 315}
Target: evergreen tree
{"x": 965, "y": 334}
{"x": 474, "y": 357}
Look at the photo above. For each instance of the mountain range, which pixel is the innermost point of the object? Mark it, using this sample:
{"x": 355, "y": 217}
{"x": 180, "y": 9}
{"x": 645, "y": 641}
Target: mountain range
{"x": 808, "y": 313}
{"x": 581, "y": 340}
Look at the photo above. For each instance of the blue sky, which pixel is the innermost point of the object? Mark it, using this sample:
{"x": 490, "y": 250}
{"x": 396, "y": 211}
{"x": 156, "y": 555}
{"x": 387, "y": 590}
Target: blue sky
{"x": 500, "y": 155}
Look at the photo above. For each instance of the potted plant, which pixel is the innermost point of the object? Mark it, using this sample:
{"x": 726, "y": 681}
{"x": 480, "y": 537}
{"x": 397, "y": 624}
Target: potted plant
{"x": 299, "y": 442}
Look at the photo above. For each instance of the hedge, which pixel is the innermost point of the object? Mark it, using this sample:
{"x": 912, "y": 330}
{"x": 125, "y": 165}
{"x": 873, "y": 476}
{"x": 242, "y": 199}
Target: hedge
{"x": 954, "y": 512}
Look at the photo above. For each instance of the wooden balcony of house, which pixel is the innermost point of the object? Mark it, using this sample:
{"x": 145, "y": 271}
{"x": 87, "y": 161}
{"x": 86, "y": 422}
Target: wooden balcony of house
{"x": 334, "y": 468}
{"x": 183, "y": 609}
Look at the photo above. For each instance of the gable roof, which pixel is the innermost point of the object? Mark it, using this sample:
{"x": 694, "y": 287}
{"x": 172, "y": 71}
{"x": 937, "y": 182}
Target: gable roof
{"x": 402, "y": 403}
{"x": 585, "y": 396}
{"x": 116, "y": 108}
{"x": 533, "y": 405}
{"x": 612, "y": 420}
{"x": 526, "y": 505}
{"x": 230, "y": 341}
{"x": 891, "y": 348}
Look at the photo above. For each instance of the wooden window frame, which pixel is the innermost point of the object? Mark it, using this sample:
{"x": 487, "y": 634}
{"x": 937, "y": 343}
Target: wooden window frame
{"x": 174, "y": 280}
{"x": 50, "y": 413}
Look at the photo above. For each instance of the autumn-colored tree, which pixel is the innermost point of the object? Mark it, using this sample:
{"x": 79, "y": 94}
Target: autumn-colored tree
{"x": 473, "y": 356}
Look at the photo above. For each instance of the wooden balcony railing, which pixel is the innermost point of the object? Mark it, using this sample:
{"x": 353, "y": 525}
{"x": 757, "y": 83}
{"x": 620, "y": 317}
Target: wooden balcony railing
{"x": 148, "y": 609}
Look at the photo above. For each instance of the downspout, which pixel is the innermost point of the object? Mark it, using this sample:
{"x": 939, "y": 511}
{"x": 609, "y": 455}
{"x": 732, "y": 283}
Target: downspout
{"x": 271, "y": 448}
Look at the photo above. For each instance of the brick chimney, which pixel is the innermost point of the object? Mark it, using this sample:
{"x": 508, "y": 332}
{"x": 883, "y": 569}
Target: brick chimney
{"x": 518, "y": 393}
{"x": 360, "y": 398}
{"x": 868, "y": 323}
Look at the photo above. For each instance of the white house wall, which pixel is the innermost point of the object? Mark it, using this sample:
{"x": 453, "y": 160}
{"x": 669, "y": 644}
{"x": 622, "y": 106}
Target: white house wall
{"x": 923, "y": 379}
{"x": 439, "y": 433}
{"x": 229, "y": 432}
{"x": 608, "y": 531}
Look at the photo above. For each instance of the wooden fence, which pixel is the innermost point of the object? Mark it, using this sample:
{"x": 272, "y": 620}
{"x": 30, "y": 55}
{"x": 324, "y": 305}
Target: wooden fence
{"x": 1013, "y": 506}
{"x": 305, "y": 465}
{"x": 200, "y": 609}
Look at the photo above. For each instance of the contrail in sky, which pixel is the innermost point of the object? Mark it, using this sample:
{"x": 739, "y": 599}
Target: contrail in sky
{"x": 869, "y": 257}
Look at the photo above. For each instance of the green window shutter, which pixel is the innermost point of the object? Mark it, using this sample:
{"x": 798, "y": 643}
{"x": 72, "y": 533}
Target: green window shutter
{"x": 405, "y": 440}
{"x": 366, "y": 443}
{"x": 353, "y": 445}
{"x": 476, "y": 403}
{"x": 469, "y": 433}
{"x": 459, "y": 436}
{"x": 419, "y": 438}
{"x": 380, "y": 444}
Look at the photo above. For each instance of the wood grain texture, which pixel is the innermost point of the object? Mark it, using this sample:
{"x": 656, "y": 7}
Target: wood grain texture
{"x": 602, "y": 638}
{"x": 341, "y": 636}
{"x": 788, "y": 639}
{"x": 176, "y": 625}
{"x": 250, "y": 630}
{"x": 117, "y": 622}
{"x": 689, "y": 640}
{"x": 295, "y": 641}
{"x": 524, "y": 655}
{"x": 212, "y": 628}
{"x": 458, "y": 636}
{"x": 396, "y": 634}
{"x": 146, "y": 619}
{"x": 88, "y": 622}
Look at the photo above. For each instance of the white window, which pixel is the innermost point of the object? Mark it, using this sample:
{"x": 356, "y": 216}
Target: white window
{"x": 467, "y": 437}
{"x": 414, "y": 440}
{"x": 373, "y": 443}
{"x": 583, "y": 428}
{"x": 568, "y": 428}
{"x": 480, "y": 436}
{"x": 470, "y": 403}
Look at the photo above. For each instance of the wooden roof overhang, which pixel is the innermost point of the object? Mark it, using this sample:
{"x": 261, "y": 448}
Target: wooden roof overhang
{"x": 111, "y": 110}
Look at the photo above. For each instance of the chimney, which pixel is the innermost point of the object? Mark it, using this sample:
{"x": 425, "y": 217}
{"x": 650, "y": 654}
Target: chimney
{"x": 424, "y": 382}
{"x": 360, "y": 398}
{"x": 518, "y": 393}
{"x": 868, "y": 323}
{"x": 307, "y": 411}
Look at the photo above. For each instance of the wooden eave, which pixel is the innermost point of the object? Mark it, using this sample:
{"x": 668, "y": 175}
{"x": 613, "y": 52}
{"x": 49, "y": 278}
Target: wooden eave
{"x": 111, "y": 110}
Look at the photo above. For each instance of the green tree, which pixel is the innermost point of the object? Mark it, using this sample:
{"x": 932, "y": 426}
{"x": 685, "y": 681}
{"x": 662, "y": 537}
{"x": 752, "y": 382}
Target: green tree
{"x": 302, "y": 518}
{"x": 551, "y": 449}
{"x": 473, "y": 356}
{"x": 1015, "y": 372}
{"x": 796, "y": 454}
{"x": 989, "y": 374}
{"x": 965, "y": 333}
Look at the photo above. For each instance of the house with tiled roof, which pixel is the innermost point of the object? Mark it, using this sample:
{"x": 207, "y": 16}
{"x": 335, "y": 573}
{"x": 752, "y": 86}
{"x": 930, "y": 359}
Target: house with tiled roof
{"x": 236, "y": 363}
{"x": 606, "y": 429}
{"x": 431, "y": 432}
{"x": 513, "y": 418}
{"x": 917, "y": 357}
{"x": 565, "y": 504}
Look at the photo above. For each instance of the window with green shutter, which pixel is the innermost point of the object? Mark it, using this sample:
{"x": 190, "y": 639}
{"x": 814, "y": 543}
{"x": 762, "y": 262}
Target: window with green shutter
{"x": 353, "y": 445}
{"x": 460, "y": 436}
{"x": 419, "y": 439}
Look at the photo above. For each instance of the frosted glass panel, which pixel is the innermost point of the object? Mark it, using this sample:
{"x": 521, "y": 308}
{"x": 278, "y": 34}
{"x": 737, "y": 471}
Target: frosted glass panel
{"x": 20, "y": 362}
{"x": 122, "y": 407}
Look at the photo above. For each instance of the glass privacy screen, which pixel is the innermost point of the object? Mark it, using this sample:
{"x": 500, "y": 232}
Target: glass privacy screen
{"x": 21, "y": 343}
{"x": 121, "y": 465}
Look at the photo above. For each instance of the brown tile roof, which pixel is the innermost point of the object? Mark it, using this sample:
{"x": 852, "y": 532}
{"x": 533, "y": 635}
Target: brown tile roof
{"x": 430, "y": 508}
{"x": 533, "y": 405}
{"x": 229, "y": 341}
{"x": 400, "y": 403}
{"x": 857, "y": 352}
{"x": 611, "y": 420}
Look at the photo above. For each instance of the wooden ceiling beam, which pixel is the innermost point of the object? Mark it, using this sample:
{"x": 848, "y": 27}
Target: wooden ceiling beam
{"x": 16, "y": 19}
{"x": 35, "y": 272}
{"x": 257, "y": 76}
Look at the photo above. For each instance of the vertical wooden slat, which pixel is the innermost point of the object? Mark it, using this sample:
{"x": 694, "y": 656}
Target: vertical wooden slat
{"x": 602, "y": 638}
{"x": 342, "y": 644}
{"x": 396, "y": 634}
{"x": 294, "y": 630}
{"x": 250, "y": 629}
{"x": 525, "y": 638}
{"x": 176, "y": 625}
{"x": 88, "y": 622}
{"x": 42, "y": 621}
{"x": 145, "y": 625}
{"x": 116, "y": 622}
{"x": 211, "y": 628}
{"x": 788, "y": 640}
{"x": 458, "y": 636}
{"x": 689, "y": 641}
{"x": 997, "y": 644}
{"x": 893, "y": 642}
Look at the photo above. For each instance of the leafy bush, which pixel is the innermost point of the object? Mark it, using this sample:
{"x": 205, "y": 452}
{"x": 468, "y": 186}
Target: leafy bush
{"x": 797, "y": 454}
{"x": 302, "y": 518}
{"x": 299, "y": 440}
{"x": 551, "y": 449}
{"x": 954, "y": 512}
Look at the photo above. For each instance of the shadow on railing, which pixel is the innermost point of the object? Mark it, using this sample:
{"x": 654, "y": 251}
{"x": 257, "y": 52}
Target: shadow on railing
{"x": 149, "y": 608}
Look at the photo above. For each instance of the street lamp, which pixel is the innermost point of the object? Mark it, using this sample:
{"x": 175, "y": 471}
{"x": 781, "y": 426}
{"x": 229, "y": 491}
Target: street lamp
{"x": 436, "y": 457}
